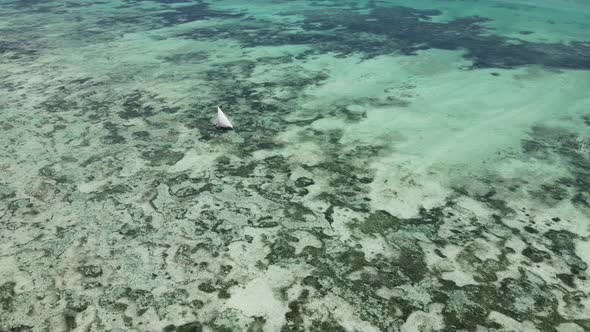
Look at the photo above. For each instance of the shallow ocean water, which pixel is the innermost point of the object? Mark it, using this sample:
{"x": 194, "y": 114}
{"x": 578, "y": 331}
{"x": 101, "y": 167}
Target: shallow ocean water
{"x": 396, "y": 165}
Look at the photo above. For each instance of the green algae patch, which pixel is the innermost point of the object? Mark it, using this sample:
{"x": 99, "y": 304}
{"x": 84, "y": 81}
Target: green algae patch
{"x": 371, "y": 169}
{"x": 163, "y": 156}
{"x": 7, "y": 296}
{"x": 379, "y": 222}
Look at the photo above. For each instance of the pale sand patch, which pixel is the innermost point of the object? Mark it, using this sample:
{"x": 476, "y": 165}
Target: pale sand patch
{"x": 399, "y": 190}
{"x": 132, "y": 165}
{"x": 387, "y": 293}
{"x": 358, "y": 275}
{"x": 306, "y": 239}
{"x": 468, "y": 207}
{"x": 485, "y": 249}
{"x": 376, "y": 246}
{"x": 569, "y": 327}
{"x": 298, "y": 172}
{"x": 260, "y": 297}
{"x": 572, "y": 219}
{"x": 8, "y": 264}
{"x": 195, "y": 161}
{"x": 531, "y": 169}
{"x": 429, "y": 320}
{"x": 91, "y": 186}
{"x": 342, "y": 311}
{"x": 568, "y": 311}
{"x": 583, "y": 250}
{"x": 460, "y": 278}
{"x": 246, "y": 256}
{"x": 343, "y": 217}
{"x": 444, "y": 135}
{"x": 449, "y": 267}
{"x": 512, "y": 324}
{"x": 418, "y": 295}
{"x": 302, "y": 153}
{"x": 546, "y": 271}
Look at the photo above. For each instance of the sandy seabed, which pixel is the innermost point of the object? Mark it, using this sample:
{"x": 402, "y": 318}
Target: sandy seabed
{"x": 395, "y": 166}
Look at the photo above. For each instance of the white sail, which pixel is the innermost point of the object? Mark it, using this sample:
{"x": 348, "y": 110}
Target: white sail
{"x": 222, "y": 120}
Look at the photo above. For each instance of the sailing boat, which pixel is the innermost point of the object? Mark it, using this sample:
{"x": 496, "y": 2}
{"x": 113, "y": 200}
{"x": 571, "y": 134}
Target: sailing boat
{"x": 222, "y": 120}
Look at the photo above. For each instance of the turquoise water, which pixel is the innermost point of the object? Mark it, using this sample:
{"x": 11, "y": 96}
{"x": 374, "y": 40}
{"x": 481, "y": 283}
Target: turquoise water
{"x": 395, "y": 165}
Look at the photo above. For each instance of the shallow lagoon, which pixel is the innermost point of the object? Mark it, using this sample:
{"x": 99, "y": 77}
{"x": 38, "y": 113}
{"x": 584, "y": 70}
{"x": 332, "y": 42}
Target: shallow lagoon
{"x": 396, "y": 166}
